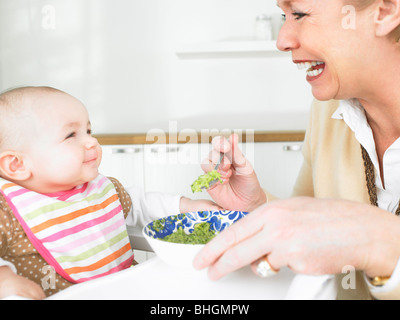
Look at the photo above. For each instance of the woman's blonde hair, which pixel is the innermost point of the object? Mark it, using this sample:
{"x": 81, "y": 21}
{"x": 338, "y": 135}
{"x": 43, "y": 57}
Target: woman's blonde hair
{"x": 360, "y": 4}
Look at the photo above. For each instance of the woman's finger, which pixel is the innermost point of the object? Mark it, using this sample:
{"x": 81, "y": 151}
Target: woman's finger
{"x": 233, "y": 156}
{"x": 236, "y": 157}
{"x": 221, "y": 144}
{"x": 241, "y": 255}
{"x": 230, "y": 237}
{"x": 269, "y": 259}
{"x": 214, "y": 157}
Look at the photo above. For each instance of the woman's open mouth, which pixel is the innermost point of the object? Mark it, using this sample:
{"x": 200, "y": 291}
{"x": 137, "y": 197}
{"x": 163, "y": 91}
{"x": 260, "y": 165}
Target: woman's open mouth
{"x": 314, "y": 68}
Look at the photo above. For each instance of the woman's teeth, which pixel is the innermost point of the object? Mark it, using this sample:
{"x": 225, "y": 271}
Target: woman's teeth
{"x": 314, "y": 73}
{"x": 310, "y": 66}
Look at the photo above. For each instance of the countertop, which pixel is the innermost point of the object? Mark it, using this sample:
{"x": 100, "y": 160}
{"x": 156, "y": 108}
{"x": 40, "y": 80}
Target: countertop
{"x": 143, "y": 138}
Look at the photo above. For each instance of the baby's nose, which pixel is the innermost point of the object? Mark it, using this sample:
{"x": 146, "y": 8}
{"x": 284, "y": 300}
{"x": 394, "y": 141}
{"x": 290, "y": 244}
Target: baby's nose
{"x": 91, "y": 142}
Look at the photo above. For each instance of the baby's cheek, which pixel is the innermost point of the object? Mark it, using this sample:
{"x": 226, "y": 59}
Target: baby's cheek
{"x": 99, "y": 155}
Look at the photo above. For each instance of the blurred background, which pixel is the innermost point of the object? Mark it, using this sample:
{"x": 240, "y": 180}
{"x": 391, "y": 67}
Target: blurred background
{"x": 138, "y": 64}
{"x": 165, "y": 66}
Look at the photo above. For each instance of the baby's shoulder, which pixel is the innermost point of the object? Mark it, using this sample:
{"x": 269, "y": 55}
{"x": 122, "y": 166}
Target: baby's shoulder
{"x": 123, "y": 196}
{"x": 6, "y": 214}
{"x": 8, "y": 224}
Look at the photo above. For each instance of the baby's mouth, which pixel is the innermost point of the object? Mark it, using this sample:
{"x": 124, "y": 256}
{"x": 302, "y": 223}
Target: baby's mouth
{"x": 314, "y": 68}
{"x": 91, "y": 159}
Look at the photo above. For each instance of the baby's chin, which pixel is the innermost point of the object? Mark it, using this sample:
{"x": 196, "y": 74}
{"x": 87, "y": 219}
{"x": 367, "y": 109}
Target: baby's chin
{"x": 87, "y": 177}
{"x": 92, "y": 176}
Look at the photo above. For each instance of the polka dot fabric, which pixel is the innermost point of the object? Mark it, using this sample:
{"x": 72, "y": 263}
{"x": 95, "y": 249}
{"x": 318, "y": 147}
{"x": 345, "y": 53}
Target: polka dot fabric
{"x": 16, "y": 248}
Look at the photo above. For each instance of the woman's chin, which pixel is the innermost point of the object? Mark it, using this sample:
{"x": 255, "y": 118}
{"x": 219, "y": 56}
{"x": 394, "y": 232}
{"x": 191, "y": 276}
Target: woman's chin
{"x": 322, "y": 94}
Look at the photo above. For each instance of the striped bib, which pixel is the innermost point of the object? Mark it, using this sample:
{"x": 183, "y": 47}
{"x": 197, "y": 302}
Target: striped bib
{"x": 80, "y": 232}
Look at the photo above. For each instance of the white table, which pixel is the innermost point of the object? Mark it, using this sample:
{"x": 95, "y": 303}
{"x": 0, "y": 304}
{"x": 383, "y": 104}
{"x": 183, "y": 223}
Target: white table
{"x": 155, "y": 280}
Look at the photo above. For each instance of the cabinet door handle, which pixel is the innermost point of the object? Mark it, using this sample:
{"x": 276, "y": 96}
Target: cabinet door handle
{"x": 166, "y": 149}
{"x": 125, "y": 150}
{"x": 296, "y": 147}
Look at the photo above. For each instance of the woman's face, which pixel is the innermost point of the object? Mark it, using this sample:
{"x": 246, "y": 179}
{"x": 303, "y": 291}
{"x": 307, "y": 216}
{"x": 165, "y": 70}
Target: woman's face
{"x": 331, "y": 41}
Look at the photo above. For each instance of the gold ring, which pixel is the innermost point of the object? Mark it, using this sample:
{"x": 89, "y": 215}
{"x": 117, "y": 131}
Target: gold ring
{"x": 264, "y": 269}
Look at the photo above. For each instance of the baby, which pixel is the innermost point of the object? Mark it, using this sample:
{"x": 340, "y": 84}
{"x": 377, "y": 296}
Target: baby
{"x": 60, "y": 218}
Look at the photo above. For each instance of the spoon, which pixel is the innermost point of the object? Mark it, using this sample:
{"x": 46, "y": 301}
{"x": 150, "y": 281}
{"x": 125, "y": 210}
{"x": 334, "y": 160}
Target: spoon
{"x": 215, "y": 169}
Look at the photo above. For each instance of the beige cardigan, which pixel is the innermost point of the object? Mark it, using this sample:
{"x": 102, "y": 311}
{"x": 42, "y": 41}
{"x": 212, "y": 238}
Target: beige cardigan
{"x": 333, "y": 168}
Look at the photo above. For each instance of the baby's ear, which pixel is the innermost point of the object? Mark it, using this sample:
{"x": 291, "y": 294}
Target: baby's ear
{"x": 12, "y": 167}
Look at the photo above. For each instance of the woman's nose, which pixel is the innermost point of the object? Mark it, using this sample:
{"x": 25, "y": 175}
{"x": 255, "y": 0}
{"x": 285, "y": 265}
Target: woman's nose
{"x": 287, "y": 38}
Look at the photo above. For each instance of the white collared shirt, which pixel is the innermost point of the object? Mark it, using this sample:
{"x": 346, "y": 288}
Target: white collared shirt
{"x": 353, "y": 114}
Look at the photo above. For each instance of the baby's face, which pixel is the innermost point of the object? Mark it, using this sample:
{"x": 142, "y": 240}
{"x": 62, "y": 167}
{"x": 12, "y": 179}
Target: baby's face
{"x": 61, "y": 151}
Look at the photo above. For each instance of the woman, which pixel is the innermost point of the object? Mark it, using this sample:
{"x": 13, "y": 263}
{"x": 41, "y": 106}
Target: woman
{"x": 351, "y": 154}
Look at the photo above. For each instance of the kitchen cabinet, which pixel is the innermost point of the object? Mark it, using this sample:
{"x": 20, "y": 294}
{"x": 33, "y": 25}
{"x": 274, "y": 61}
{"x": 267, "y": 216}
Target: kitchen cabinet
{"x": 173, "y": 168}
{"x": 157, "y": 167}
{"x": 277, "y": 165}
{"x": 125, "y": 163}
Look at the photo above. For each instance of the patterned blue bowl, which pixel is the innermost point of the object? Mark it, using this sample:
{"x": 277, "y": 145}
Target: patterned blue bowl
{"x": 182, "y": 255}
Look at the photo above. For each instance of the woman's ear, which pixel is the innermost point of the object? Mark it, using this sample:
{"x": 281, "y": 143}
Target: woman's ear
{"x": 12, "y": 167}
{"x": 387, "y": 17}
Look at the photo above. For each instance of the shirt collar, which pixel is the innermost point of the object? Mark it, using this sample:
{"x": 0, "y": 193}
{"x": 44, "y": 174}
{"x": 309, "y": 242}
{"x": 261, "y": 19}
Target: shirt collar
{"x": 353, "y": 114}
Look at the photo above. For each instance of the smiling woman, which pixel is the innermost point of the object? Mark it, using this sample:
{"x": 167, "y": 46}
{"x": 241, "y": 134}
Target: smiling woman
{"x": 316, "y": 34}
{"x": 351, "y": 156}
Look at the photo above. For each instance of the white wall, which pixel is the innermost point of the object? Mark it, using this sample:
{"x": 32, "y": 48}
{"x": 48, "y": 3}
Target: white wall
{"x": 119, "y": 57}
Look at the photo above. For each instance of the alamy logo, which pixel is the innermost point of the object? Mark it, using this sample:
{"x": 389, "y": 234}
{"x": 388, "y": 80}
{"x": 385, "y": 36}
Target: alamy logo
{"x": 49, "y": 17}
{"x": 49, "y": 280}
{"x": 349, "y": 280}
{"x": 349, "y": 20}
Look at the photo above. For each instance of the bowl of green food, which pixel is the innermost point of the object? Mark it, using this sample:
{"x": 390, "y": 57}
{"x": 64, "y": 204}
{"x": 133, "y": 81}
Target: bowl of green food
{"x": 178, "y": 238}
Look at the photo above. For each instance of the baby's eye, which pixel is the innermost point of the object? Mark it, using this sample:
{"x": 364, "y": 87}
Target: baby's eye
{"x": 71, "y": 135}
{"x": 89, "y": 131}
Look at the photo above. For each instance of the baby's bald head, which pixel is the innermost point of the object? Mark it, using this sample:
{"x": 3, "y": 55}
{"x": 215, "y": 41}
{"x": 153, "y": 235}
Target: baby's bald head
{"x": 16, "y": 109}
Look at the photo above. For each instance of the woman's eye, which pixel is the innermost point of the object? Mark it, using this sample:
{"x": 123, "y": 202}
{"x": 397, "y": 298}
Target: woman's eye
{"x": 284, "y": 17}
{"x": 298, "y": 15}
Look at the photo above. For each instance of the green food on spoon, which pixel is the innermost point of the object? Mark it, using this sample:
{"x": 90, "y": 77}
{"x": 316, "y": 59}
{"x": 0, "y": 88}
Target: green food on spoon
{"x": 200, "y": 235}
{"x": 204, "y": 181}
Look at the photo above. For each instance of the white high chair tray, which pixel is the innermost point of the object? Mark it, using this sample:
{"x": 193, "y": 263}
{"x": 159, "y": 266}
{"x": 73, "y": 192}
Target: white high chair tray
{"x": 155, "y": 280}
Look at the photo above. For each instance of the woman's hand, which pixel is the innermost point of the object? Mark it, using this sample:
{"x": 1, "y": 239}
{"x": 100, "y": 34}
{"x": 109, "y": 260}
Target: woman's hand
{"x": 12, "y": 284}
{"x": 241, "y": 189}
{"x": 309, "y": 236}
